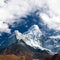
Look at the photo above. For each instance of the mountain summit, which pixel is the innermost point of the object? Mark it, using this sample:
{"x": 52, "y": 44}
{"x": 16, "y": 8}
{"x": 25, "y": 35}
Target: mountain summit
{"x": 32, "y": 37}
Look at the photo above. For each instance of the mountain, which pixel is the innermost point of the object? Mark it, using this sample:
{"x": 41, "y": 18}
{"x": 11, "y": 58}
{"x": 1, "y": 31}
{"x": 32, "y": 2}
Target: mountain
{"x": 52, "y": 44}
{"x": 37, "y": 39}
{"x": 33, "y": 37}
{"x": 29, "y": 41}
{"x": 10, "y": 40}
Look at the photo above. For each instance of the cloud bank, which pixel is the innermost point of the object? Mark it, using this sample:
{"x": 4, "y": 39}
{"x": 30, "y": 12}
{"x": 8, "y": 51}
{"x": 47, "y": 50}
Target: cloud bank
{"x": 10, "y": 10}
{"x": 52, "y": 18}
{"x": 14, "y": 9}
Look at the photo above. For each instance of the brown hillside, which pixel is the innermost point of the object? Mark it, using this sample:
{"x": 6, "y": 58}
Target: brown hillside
{"x": 27, "y": 57}
{"x": 9, "y": 57}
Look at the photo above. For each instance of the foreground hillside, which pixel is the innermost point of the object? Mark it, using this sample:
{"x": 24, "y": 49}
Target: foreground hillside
{"x": 29, "y": 57}
{"x": 24, "y": 52}
{"x": 21, "y": 51}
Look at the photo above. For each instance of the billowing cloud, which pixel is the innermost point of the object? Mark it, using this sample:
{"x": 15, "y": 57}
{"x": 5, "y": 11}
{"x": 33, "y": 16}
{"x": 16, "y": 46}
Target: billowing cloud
{"x": 11, "y": 10}
{"x": 52, "y": 16}
{"x": 4, "y": 28}
{"x": 14, "y": 9}
{"x": 52, "y": 22}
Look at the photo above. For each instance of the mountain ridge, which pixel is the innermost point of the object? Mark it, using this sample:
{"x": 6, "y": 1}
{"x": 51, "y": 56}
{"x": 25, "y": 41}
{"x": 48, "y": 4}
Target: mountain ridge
{"x": 32, "y": 38}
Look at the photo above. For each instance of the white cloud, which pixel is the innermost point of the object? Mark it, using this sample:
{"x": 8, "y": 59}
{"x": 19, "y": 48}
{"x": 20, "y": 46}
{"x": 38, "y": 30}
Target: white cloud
{"x": 51, "y": 17}
{"x": 54, "y": 5}
{"x": 52, "y": 23}
{"x": 4, "y": 28}
{"x": 14, "y": 9}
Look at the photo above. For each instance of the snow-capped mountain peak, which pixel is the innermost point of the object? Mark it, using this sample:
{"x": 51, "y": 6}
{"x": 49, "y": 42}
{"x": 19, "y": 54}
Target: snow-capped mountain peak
{"x": 31, "y": 37}
{"x": 34, "y": 34}
{"x": 33, "y": 31}
{"x": 34, "y": 27}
